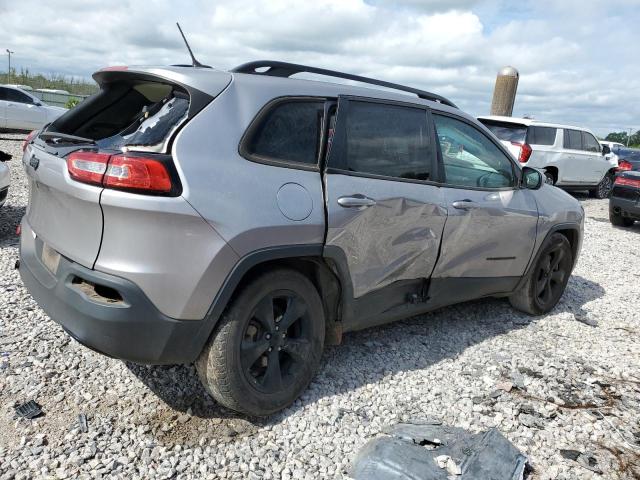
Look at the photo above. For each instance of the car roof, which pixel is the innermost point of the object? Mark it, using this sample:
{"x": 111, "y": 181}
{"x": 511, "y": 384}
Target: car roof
{"x": 530, "y": 121}
{"x": 209, "y": 80}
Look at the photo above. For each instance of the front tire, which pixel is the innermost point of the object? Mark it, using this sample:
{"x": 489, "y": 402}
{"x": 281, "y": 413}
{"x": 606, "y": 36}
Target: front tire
{"x": 547, "y": 280}
{"x": 267, "y": 345}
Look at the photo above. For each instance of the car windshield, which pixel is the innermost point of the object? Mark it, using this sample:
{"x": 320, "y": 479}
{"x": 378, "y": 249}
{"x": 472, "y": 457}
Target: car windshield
{"x": 508, "y": 132}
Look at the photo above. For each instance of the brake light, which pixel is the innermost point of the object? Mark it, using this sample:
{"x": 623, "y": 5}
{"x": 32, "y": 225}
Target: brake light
{"x": 525, "y": 151}
{"x": 87, "y": 167}
{"x": 28, "y": 140}
{"x": 137, "y": 173}
{"x": 624, "y": 165}
{"x": 115, "y": 68}
{"x": 119, "y": 171}
{"x": 629, "y": 182}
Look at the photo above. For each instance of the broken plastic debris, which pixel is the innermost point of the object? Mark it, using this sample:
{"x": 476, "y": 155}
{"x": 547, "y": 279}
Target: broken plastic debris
{"x": 402, "y": 454}
{"x": 82, "y": 422}
{"x": 586, "y": 459}
{"x": 29, "y": 410}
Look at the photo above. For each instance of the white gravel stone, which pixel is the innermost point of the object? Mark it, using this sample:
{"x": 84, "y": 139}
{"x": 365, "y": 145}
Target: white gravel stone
{"x": 453, "y": 364}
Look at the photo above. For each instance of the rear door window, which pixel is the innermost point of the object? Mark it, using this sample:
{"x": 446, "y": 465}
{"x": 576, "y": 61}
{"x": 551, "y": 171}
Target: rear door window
{"x": 589, "y": 142}
{"x": 387, "y": 140}
{"x": 288, "y": 132}
{"x": 508, "y": 132}
{"x": 541, "y": 135}
{"x": 572, "y": 139}
{"x": 3, "y": 93}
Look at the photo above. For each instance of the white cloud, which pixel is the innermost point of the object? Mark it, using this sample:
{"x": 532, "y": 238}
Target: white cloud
{"x": 575, "y": 58}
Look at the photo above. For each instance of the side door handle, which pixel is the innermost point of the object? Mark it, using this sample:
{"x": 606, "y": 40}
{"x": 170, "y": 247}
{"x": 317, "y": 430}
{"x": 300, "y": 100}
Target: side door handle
{"x": 465, "y": 204}
{"x": 356, "y": 201}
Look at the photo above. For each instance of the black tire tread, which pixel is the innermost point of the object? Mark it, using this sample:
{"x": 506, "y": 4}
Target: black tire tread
{"x": 215, "y": 365}
{"x": 523, "y": 298}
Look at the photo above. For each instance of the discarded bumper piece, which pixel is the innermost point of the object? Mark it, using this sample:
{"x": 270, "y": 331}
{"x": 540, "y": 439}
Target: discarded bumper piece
{"x": 429, "y": 451}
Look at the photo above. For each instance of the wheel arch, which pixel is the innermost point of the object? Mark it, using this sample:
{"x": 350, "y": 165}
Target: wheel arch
{"x": 571, "y": 231}
{"x": 306, "y": 259}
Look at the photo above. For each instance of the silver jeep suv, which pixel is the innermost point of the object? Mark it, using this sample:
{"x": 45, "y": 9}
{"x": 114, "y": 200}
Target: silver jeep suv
{"x": 242, "y": 220}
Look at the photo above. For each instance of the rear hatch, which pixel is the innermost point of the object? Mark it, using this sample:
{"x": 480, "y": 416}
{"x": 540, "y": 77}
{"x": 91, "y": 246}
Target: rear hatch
{"x": 121, "y": 137}
{"x": 511, "y": 135}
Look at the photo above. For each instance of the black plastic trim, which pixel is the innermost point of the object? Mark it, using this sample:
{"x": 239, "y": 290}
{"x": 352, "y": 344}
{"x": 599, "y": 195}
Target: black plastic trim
{"x": 535, "y": 257}
{"x": 393, "y": 302}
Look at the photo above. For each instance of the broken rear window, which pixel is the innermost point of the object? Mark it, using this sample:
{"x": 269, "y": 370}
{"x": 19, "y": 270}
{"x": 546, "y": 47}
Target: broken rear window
{"x": 153, "y": 126}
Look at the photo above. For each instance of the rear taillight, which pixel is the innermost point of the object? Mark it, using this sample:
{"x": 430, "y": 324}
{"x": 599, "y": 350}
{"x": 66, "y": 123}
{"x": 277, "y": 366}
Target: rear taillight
{"x": 138, "y": 173}
{"x": 629, "y": 182}
{"x": 28, "y": 140}
{"x": 624, "y": 165}
{"x": 525, "y": 151}
{"x": 119, "y": 171}
{"x": 87, "y": 167}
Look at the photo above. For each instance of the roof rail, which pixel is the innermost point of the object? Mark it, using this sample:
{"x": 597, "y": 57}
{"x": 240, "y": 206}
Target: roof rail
{"x": 284, "y": 69}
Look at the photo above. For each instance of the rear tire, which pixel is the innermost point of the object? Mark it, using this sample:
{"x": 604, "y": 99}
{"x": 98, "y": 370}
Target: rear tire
{"x": 547, "y": 280}
{"x": 620, "y": 221}
{"x": 267, "y": 346}
{"x": 603, "y": 190}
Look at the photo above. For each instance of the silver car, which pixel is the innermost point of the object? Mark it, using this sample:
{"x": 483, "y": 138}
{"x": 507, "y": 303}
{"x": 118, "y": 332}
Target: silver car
{"x": 242, "y": 220}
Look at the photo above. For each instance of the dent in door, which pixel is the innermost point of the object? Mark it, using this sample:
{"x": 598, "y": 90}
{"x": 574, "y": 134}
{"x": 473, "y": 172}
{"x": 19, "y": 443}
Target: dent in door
{"x": 494, "y": 240}
{"x": 390, "y": 241}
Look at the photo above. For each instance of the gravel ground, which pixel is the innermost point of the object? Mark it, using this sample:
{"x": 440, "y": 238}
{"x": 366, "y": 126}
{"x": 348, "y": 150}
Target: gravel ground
{"x": 575, "y": 386}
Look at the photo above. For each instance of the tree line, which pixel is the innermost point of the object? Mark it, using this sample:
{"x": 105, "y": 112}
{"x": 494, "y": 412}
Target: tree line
{"x": 622, "y": 137}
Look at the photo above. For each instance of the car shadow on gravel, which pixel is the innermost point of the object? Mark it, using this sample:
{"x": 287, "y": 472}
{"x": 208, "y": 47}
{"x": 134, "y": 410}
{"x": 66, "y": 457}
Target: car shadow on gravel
{"x": 368, "y": 356}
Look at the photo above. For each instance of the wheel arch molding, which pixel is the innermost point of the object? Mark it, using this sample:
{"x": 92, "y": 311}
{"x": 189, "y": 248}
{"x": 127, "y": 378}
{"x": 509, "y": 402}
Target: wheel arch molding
{"x": 306, "y": 258}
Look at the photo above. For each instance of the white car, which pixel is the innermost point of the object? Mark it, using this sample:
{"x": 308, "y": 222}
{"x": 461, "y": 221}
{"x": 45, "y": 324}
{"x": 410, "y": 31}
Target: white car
{"x": 21, "y": 110}
{"x": 571, "y": 157}
{"x": 5, "y": 175}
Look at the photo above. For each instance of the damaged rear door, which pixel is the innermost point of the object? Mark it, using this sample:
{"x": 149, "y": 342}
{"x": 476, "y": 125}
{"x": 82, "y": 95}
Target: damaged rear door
{"x": 385, "y": 217}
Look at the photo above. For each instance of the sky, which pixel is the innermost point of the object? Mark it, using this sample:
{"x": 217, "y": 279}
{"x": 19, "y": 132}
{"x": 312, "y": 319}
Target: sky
{"x": 578, "y": 59}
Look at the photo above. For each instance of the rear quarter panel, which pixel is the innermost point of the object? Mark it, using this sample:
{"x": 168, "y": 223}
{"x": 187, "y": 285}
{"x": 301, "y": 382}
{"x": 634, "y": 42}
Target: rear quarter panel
{"x": 240, "y": 198}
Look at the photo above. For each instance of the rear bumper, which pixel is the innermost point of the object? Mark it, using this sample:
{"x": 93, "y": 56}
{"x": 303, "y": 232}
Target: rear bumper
{"x": 132, "y": 329}
{"x": 624, "y": 207}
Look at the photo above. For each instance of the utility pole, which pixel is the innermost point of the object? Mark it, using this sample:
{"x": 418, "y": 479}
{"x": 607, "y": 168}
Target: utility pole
{"x": 629, "y": 136}
{"x": 9, "y": 71}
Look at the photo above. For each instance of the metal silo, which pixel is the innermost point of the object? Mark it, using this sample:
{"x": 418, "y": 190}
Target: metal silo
{"x": 504, "y": 93}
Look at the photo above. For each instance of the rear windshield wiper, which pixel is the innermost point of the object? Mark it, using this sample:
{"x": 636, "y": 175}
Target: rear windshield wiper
{"x": 68, "y": 138}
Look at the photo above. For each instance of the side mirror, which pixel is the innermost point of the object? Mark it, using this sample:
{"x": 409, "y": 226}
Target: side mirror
{"x": 606, "y": 150}
{"x": 532, "y": 179}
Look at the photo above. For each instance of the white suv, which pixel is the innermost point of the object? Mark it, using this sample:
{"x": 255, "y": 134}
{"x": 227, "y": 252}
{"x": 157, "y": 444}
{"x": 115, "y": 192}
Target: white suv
{"x": 571, "y": 157}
